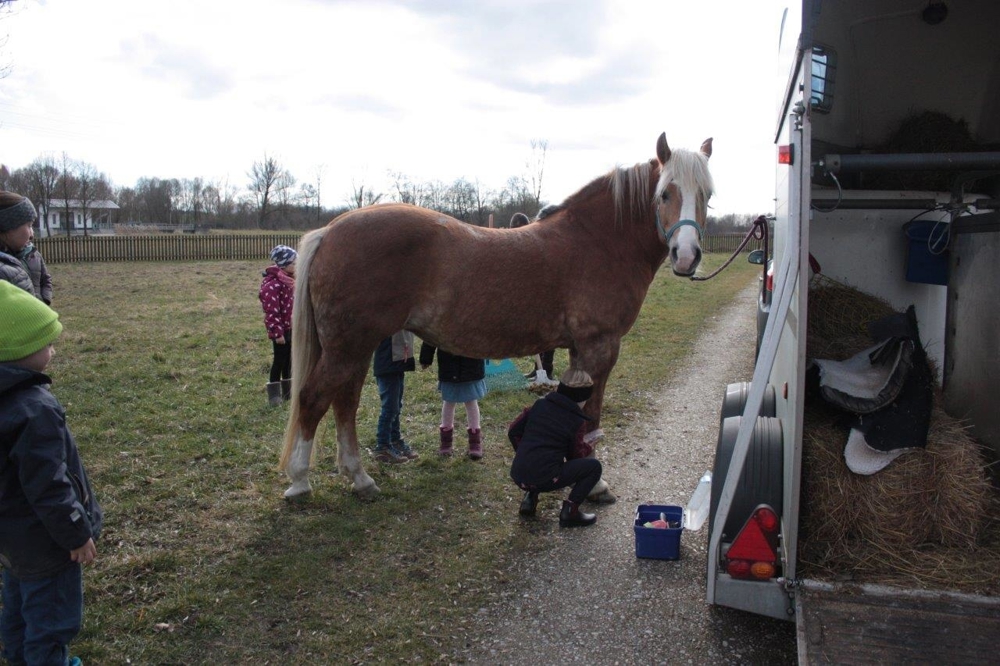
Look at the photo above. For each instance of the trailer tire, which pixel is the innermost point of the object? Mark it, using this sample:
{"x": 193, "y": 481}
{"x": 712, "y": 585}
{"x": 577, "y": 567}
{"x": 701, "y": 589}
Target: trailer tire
{"x": 735, "y": 399}
{"x": 762, "y": 479}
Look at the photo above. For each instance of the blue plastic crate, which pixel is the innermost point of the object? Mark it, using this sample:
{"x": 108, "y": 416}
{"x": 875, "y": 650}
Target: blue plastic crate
{"x": 658, "y": 543}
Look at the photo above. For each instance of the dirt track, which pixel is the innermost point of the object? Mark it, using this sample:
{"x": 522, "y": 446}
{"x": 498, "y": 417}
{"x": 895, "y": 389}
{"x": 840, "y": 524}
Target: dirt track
{"x": 588, "y": 599}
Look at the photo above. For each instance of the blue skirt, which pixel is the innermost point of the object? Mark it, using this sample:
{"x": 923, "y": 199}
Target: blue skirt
{"x": 462, "y": 391}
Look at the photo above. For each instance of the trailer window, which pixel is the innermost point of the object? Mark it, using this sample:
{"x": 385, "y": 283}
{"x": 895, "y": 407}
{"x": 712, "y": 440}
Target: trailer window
{"x": 824, "y": 72}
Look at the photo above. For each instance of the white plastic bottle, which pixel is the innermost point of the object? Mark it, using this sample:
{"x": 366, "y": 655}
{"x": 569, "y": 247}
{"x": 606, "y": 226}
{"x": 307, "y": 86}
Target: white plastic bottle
{"x": 696, "y": 511}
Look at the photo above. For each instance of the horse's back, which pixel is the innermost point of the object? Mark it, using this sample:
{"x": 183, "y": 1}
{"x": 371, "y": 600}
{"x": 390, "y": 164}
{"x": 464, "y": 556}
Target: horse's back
{"x": 381, "y": 259}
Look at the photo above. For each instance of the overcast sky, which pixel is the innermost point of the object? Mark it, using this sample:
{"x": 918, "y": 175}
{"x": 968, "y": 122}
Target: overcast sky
{"x": 433, "y": 89}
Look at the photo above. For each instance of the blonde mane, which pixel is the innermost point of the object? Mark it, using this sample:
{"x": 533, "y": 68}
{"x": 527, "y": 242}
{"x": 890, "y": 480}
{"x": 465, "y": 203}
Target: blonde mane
{"x": 630, "y": 187}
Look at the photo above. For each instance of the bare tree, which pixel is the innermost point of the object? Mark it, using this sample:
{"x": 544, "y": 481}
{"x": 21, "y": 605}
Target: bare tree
{"x": 264, "y": 176}
{"x": 225, "y": 204}
{"x": 67, "y": 187}
{"x": 308, "y": 194}
{"x": 284, "y": 191}
{"x": 482, "y": 207}
{"x": 362, "y": 197}
{"x": 87, "y": 178}
{"x": 406, "y": 191}
{"x": 320, "y": 170}
{"x": 43, "y": 176}
{"x": 460, "y": 200}
{"x": 535, "y": 169}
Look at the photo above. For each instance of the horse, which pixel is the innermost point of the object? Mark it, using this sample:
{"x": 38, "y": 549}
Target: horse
{"x": 576, "y": 278}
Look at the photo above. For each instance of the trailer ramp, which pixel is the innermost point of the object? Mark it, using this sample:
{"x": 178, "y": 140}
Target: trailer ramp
{"x": 871, "y": 624}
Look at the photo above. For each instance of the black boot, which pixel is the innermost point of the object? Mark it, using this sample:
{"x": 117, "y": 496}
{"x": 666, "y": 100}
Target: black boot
{"x": 529, "y": 503}
{"x": 286, "y": 389}
{"x": 571, "y": 516}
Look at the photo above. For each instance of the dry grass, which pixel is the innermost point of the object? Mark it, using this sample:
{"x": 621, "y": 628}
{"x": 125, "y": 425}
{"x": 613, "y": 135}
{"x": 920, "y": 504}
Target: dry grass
{"x": 928, "y": 519}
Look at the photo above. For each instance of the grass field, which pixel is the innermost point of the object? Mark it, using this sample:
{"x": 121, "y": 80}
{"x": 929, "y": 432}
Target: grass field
{"x": 162, "y": 368}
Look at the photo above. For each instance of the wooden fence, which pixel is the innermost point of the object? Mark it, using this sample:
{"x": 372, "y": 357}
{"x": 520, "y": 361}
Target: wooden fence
{"x": 218, "y": 247}
{"x": 161, "y": 247}
{"x": 728, "y": 243}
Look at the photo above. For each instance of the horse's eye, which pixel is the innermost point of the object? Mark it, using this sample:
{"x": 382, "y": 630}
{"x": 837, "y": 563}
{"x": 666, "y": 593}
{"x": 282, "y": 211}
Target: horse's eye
{"x": 665, "y": 196}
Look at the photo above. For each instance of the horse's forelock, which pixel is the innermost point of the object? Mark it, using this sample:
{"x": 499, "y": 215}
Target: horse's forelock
{"x": 689, "y": 169}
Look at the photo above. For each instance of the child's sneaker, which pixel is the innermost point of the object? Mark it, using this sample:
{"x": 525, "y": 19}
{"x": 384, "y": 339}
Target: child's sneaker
{"x": 401, "y": 448}
{"x": 387, "y": 454}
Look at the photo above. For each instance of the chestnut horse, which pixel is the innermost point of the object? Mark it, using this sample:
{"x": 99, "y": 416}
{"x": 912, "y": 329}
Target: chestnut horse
{"x": 576, "y": 278}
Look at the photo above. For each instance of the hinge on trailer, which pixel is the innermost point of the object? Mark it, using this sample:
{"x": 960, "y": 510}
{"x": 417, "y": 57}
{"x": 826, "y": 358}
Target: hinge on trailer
{"x": 798, "y": 111}
{"x": 790, "y": 585}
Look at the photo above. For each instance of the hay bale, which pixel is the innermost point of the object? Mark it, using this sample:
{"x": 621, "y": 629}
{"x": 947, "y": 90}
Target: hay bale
{"x": 892, "y": 524}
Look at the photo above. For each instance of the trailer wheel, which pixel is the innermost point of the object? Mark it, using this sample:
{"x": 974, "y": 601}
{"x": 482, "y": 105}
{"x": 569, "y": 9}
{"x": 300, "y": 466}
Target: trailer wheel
{"x": 761, "y": 481}
{"x": 735, "y": 399}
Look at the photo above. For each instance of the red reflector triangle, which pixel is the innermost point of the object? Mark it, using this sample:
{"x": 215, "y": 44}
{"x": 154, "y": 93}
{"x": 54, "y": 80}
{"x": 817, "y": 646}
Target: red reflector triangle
{"x": 751, "y": 544}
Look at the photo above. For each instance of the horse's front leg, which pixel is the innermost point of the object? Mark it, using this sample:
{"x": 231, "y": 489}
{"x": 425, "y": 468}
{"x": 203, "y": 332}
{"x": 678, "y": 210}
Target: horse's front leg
{"x": 597, "y": 359}
{"x": 601, "y": 493}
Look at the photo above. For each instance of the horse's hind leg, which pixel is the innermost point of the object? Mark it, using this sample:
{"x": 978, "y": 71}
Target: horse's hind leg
{"x": 340, "y": 384}
{"x": 345, "y": 408}
{"x": 312, "y": 405}
{"x": 297, "y": 467}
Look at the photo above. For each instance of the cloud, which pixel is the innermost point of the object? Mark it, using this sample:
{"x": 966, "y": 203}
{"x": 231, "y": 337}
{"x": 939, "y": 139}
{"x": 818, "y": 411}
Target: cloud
{"x": 551, "y": 49}
{"x": 360, "y": 103}
{"x": 175, "y": 65}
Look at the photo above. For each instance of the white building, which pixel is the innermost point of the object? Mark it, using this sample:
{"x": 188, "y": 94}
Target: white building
{"x": 96, "y": 217}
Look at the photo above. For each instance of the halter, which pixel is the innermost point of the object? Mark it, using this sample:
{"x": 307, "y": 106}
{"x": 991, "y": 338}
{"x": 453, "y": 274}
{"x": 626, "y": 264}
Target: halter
{"x": 665, "y": 235}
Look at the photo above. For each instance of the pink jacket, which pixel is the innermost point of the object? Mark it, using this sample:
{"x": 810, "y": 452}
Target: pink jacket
{"x": 277, "y": 291}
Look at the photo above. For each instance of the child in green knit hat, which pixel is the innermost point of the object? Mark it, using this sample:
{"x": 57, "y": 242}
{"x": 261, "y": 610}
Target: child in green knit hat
{"x": 49, "y": 517}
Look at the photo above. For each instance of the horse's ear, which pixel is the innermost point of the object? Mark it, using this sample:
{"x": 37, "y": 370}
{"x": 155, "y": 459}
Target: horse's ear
{"x": 662, "y": 149}
{"x": 706, "y": 147}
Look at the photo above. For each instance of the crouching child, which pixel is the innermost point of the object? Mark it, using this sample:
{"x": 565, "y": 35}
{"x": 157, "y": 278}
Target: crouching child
{"x": 49, "y": 517}
{"x": 550, "y": 452}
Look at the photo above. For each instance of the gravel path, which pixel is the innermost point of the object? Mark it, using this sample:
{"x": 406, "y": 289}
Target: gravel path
{"x": 587, "y": 599}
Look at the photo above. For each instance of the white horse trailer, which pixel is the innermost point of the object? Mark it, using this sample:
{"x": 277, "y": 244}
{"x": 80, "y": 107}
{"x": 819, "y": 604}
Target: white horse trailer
{"x": 852, "y": 70}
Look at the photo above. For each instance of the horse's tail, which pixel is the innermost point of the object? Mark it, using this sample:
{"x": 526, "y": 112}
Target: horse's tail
{"x": 305, "y": 341}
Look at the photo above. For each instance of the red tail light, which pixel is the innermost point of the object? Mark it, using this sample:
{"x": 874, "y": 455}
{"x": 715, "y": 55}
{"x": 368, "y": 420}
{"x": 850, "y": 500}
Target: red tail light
{"x": 769, "y": 279}
{"x": 754, "y": 552}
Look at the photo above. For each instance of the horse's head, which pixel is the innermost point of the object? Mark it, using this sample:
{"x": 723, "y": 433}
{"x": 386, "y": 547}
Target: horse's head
{"x": 681, "y": 201}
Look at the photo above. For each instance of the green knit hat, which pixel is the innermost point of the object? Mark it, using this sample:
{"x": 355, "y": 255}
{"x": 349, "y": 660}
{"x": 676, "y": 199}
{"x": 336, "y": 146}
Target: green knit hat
{"x": 26, "y": 323}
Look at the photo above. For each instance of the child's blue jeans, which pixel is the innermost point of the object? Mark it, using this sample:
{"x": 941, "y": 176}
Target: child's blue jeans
{"x": 390, "y": 391}
{"x": 40, "y": 617}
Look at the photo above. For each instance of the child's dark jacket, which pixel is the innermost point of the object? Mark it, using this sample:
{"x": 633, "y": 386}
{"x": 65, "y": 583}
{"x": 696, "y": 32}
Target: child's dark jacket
{"x": 47, "y": 506}
{"x": 394, "y": 355}
{"x": 452, "y": 368}
{"x": 546, "y": 435}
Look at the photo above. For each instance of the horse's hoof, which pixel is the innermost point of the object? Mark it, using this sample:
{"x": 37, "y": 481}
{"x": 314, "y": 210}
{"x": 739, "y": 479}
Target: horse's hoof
{"x": 298, "y": 489}
{"x": 605, "y": 497}
{"x": 367, "y": 492}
